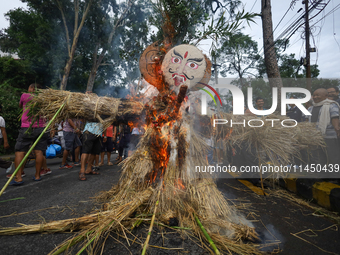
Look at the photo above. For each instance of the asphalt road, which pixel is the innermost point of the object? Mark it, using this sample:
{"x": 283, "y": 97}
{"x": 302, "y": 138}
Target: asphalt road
{"x": 294, "y": 229}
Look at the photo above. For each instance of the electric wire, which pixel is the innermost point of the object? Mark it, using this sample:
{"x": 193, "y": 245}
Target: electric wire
{"x": 329, "y": 13}
{"x": 334, "y": 27}
{"x": 281, "y": 35}
{"x": 253, "y": 5}
{"x": 297, "y": 23}
{"x": 295, "y": 26}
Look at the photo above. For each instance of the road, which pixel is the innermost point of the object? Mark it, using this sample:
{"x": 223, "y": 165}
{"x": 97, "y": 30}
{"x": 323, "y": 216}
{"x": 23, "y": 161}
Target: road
{"x": 279, "y": 218}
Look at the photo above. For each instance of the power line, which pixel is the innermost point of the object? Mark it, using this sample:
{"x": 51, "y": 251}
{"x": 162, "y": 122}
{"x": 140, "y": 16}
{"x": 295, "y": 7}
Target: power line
{"x": 296, "y": 24}
{"x": 284, "y": 15}
{"x": 253, "y": 5}
{"x": 334, "y": 28}
{"x": 329, "y": 13}
{"x": 282, "y": 34}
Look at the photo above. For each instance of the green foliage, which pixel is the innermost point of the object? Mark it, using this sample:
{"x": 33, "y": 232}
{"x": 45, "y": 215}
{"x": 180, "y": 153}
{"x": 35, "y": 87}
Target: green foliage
{"x": 238, "y": 55}
{"x": 184, "y": 16}
{"x": 194, "y": 20}
{"x": 9, "y": 99}
{"x": 35, "y": 39}
{"x": 225, "y": 26}
{"x": 16, "y": 72}
{"x": 38, "y": 36}
{"x": 289, "y": 66}
{"x": 15, "y": 77}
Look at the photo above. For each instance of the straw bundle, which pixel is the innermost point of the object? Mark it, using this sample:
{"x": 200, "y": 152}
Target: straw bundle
{"x": 272, "y": 141}
{"x": 79, "y": 105}
{"x": 118, "y": 213}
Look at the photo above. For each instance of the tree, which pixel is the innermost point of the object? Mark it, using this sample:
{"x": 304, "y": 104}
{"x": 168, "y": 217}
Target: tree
{"x": 176, "y": 20}
{"x": 289, "y": 66}
{"x": 238, "y": 55}
{"x": 9, "y": 98}
{"x": 14, "y": 77}
{"x": 272, "y": 68}
{"x": 16, "y": 72}
{"x": 128, "y": 22}
{"x": 33, "y": 38}
{"x": 42, "y": 19}
{"x": 71, "y": 46}
{"x": 38, "y": 35}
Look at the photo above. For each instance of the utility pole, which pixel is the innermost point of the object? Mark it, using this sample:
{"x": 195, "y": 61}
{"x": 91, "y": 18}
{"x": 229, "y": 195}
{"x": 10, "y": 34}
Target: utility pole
{"x": 270, "y": 60}
{"x": 308, "y": 71}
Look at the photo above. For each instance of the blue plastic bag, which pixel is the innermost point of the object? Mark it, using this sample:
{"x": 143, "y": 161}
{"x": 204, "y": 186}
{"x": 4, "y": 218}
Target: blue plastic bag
{"x": 57, "y": 148}
{"x": 51, "y": 151}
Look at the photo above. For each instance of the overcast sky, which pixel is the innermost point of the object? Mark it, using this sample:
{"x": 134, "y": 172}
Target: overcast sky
{"x": 326, "y": 33}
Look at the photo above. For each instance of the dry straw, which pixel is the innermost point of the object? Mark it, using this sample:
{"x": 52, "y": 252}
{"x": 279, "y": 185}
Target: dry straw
{"x": 272, "y": 142}
{"x": 88, "y": 106}
{"x": 177, "y": 190}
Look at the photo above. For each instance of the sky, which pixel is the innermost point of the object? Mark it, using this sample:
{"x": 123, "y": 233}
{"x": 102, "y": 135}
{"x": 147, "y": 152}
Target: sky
{"x": 326, "y": 33}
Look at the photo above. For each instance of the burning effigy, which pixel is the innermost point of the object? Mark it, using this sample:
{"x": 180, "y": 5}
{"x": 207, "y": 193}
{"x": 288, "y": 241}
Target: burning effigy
{"x": 159, "y": 179}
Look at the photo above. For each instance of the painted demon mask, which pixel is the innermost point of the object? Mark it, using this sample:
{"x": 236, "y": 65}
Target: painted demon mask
{"x": 184, "y": 65}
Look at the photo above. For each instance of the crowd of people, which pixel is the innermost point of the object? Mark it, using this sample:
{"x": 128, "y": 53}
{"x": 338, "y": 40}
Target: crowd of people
{"x": 85, "y": 143}
{"x": 82, "y": 143}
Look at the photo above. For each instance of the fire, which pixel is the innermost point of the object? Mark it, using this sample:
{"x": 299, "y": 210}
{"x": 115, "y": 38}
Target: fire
{"x": 131, "y": 125}
{"x": 161, "y": 116}
{"x": 179, "y": 184}
{"x": 228, "y": 134}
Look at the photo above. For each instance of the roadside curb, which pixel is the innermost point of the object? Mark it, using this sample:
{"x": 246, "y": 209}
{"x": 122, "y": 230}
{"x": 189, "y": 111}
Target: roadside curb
{"x": 325, "y": 194}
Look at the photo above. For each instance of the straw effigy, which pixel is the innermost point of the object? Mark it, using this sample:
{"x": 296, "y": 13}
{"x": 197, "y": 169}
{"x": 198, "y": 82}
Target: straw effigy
{"x": 161, "y": 179}
{"x": 159, "y": 176}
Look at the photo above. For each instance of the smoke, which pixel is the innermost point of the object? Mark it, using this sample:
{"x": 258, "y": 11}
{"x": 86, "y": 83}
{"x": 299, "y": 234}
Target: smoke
{"x": 271, "y": 235}
{"x": 112, "y": 91}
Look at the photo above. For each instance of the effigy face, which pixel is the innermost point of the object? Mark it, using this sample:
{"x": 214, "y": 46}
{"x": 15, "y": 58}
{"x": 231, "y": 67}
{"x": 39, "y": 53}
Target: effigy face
{"x": 183, "y": 65}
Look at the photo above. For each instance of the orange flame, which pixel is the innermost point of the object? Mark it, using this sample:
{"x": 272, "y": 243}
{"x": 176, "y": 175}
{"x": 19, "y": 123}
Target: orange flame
{"x": 228, "y": 134}
{"x": 179, "y": 184}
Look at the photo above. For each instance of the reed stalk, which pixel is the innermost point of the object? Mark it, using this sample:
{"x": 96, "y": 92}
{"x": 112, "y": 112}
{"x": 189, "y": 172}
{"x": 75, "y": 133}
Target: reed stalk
{"x": 212, "y": 244}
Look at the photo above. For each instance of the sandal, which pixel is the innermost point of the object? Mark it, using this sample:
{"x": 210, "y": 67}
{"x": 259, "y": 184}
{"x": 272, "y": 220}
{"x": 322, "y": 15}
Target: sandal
{"x": 82, "y": 177}
{"x": 92, "y": 173}
{"x": 118, "y": 161}
{"x": 14, "y": 183}
{"x": 109, "y": 163}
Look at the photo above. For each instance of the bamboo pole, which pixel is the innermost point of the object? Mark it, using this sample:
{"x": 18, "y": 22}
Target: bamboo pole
{"x": 151, "y": 224}
{"x": 32, "y": 147}
{"x": 217, "y": 252}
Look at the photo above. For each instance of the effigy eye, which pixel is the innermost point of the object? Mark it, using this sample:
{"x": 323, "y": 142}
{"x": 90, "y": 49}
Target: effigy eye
{"x": 176, "y": 60}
